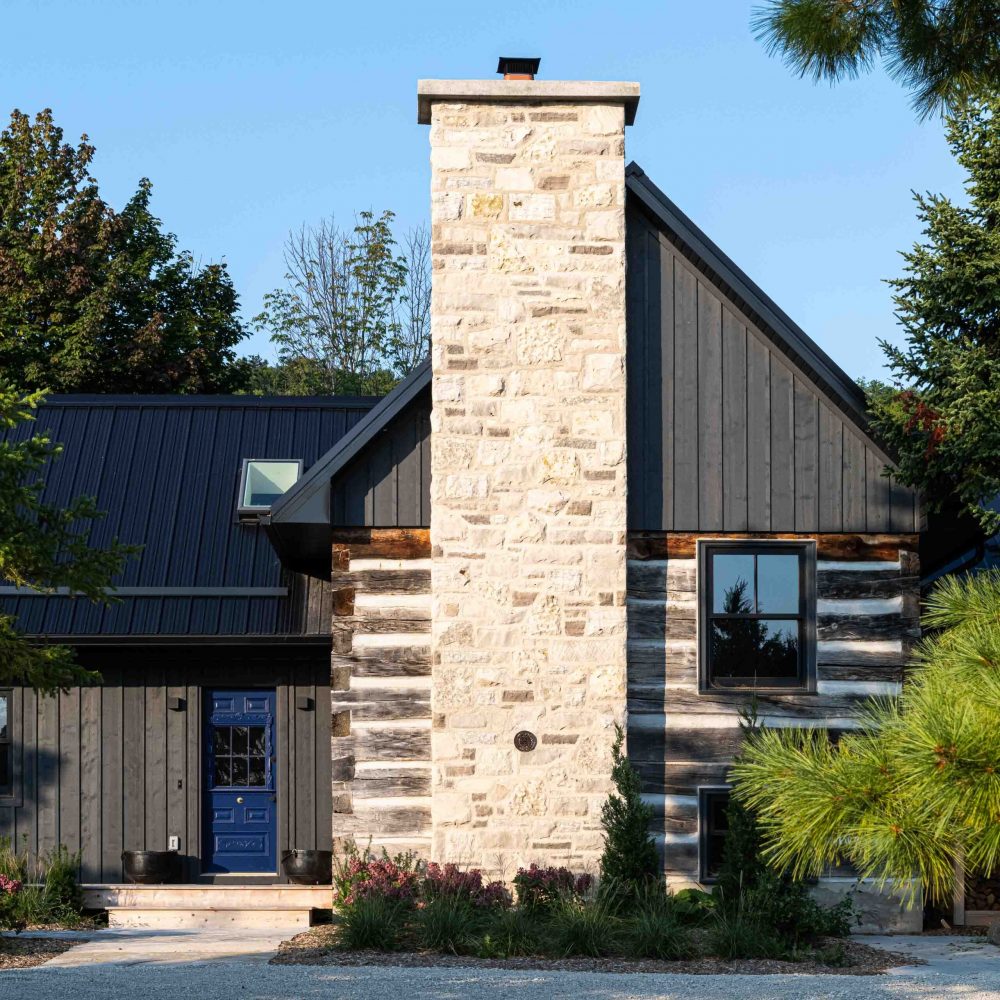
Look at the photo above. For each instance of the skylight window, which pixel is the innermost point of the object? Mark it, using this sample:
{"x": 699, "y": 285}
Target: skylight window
{"x": 264, "y": 480}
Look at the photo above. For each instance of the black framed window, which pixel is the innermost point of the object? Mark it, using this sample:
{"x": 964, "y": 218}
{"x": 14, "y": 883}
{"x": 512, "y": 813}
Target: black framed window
{"x": 713, "y": 823}
{"x": 757, "y": 615}
{"x": 6, "y": 748}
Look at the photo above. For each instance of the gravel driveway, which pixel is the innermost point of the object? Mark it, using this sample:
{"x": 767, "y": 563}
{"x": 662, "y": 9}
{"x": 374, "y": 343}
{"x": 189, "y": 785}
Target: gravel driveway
{"x": 182, "y": 966}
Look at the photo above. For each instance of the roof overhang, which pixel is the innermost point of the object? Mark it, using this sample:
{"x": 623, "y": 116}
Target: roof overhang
{"x": 298, "y": 525}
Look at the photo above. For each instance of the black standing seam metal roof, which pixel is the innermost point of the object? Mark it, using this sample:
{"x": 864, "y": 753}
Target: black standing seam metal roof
{"x": 775, "y": 322}
{"x": 166, "y": 470}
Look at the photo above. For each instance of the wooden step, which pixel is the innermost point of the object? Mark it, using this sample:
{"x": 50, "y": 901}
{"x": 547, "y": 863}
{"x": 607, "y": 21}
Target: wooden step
{"x": 210, "y": 918}
{"x": 199, "y": 896}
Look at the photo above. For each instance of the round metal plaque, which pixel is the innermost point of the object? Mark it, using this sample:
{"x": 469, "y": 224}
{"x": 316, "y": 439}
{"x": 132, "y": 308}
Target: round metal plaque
{"x": 525, "y": 741}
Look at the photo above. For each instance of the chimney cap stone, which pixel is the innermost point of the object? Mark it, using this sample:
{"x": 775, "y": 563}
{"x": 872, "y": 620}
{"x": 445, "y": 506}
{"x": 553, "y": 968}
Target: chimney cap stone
{"x": 526, "y": 92}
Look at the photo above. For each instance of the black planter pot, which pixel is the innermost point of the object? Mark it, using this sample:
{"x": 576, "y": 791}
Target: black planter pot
{"x": 149, "y": 867}
{"x": 308, "y": 867}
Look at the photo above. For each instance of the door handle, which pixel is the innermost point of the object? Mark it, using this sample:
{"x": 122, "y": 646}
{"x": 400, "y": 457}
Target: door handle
{"x": 239, "y": 799}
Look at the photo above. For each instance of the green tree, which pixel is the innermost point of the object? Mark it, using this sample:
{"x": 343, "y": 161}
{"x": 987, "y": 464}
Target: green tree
{"x": 943, "y": 51}
{"x": 354, "y": 317}
{"x": 629, "y": 859}
{"x": 97, "y": 301}
{"x": 939, "y": 415}
{"x": 44, "y": 548}
{"x": 916, "y": 789}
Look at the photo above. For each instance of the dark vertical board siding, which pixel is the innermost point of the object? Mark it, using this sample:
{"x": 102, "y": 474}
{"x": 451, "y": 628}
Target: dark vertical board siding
{"x": 734, "y": 423}
{"x": 782, "y": 447}
{"x": 69, "y": 769}
{"x": 831, "y": 471}
{"x": 91, "y": 783}
{"x": 855, "y": 486}
{"x": 726, "y": 432}
{"x": 710, "y": 483}
{"x": 684, "y": 425}
{"x": 112, "y": 784}
{"x": 758, "y": 436}
{"x": 806, "y": 458}
{"x": 112, "y": 768}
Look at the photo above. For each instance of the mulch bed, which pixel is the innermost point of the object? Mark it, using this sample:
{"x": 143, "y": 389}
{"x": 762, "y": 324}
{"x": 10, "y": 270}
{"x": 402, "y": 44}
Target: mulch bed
{"x": 317, "y": 946}
{"x": 23, "y": 953}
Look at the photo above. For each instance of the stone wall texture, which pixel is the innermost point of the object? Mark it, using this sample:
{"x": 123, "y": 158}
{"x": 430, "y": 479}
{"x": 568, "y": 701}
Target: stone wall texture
{"x": 528, "y": 477}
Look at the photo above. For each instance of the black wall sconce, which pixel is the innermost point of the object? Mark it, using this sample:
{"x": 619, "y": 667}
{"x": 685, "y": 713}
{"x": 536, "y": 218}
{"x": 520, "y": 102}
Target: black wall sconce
{"x": 176, "y": 704}
{"x": 304, "y": 702}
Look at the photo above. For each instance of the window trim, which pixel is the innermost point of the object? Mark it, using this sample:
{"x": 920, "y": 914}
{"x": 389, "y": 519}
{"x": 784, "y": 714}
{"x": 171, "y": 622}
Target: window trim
{"x": 8, "y": 781}
{"x": 705, "y": 793}
{"x": 806, "y": 547}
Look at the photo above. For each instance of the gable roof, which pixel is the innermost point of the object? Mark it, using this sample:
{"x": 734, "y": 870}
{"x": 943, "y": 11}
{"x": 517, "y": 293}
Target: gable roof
{"x": 790, "y": 338}
{"x": 166, "y": 469}
{"x": 299, "y": 522}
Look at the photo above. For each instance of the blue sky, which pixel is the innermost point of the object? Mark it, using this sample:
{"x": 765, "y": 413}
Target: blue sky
{"x": 251, "y": 118}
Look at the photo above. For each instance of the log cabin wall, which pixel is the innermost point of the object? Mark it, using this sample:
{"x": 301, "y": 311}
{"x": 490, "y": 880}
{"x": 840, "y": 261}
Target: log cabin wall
{"x": 680, "y": 740}
{"x": 380, "y": 680}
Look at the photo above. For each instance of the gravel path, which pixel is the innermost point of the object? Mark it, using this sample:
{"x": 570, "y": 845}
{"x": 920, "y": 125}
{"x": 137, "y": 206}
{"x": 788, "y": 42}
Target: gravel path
{"x": 963, "y": 968}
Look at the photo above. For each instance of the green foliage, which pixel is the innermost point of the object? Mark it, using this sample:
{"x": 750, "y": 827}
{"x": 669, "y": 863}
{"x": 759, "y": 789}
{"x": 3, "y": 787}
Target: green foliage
{"x": 739, "y": 932}
{"x": 509, "y": 933}
{"x": 943, "y": 51}
{"x": 44, "y": 547}
{"x": 918, "y": 786}
{"x": 629, "y": 858}
{"x": 49, "y": 894}
{"x": 583, "y": 927}
{"x": 447, "y": 924}
{"x": 658, "y": 927}
{"x": 92, "y": 300}
{"x": 373, "y": 922}
{"x": 354, "y": 317}
{"x": 939, "y": 414}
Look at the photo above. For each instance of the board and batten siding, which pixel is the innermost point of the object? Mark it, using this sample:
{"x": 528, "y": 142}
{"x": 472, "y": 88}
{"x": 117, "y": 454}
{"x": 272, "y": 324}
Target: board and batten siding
{"x": 725, "y": 431}
{"x": 681, "y": 740}
{"x": 111, "y": 768}
{"x": 388, "y": 484}
{"x": 381, "y": 688}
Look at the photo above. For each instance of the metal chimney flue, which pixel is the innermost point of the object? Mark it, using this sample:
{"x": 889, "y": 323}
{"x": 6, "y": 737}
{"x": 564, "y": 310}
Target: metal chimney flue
{"x": 518, "y": 67}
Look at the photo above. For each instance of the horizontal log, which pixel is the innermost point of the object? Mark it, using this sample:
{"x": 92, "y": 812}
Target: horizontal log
{"x": 395, "y": 820}
{"x": 657, "y": 776}
{"x": 673, "y": 580}
{"x": 889, "y": 652}
{"x": 390, "y": 781}
{"x": 683, "y": 545}
{"x": 792, "y": 706}
{"x": 868, "y": 584}
{"x": 362, "y": 625}
{"x": 385, "y": 543}
{"x": 374, "y": 610}
{"x": 343, "y": 765}
{"x": 701, "y": 746}
{"x": 842, "y": 627}
{"x": 383, "y": 705}
{"x": 661, "y": 622}
{"x": 385, "y": 743}
{"x": 390, "y": 581}
{"x": 859, "y": 672}
{"x": 680, "y": 859}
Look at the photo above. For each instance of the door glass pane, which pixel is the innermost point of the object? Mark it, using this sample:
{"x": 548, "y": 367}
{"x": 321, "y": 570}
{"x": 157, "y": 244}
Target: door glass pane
{"x": 239, "y": 771}
{"x": 3, "y": 722}
{"x": 257, "y": 742}
{"x": 223, "y": 773}
{"x": 257, "y": 772}
{"x": 778, "y": 584}
{"x": 750, "y": 648}
{"x": 732, "y": 583}
{"x": 221, "y": 741}
{"x": 239, "y": 740}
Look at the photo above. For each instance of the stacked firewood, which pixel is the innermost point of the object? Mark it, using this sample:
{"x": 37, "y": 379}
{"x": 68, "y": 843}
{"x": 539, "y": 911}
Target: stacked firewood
{"x": 983, "y": 893}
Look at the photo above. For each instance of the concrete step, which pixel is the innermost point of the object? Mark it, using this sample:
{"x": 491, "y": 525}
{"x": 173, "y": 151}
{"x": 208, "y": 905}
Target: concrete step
{"x": 210, "y": 918}
{"x": 244, "y": 897}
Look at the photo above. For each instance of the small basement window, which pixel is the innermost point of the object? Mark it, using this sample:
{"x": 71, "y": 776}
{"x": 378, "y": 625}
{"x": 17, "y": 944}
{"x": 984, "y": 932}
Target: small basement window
{"x": 264, "y": 480}
{"x": 713, "y": 822}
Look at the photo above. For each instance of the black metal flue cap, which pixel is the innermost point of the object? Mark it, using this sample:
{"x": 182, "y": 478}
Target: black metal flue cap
{"x": 518, "y": 66}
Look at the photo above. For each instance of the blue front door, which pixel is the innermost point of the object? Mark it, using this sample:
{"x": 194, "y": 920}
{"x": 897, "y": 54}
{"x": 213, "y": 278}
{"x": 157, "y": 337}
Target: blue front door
{"x": 241, "y": 812}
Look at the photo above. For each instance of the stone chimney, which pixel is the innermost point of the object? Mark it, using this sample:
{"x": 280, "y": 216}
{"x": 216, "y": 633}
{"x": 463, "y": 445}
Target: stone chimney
{"x": 528, "y": 464}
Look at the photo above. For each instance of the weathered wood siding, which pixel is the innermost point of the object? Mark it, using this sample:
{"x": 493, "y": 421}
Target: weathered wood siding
{"x": 388, "y": 484}
{"x": 381, "y": 745}
{"x": 112, "y": 768}
{"x": 681, "y": 740}
{"x": 725, "y": 431}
